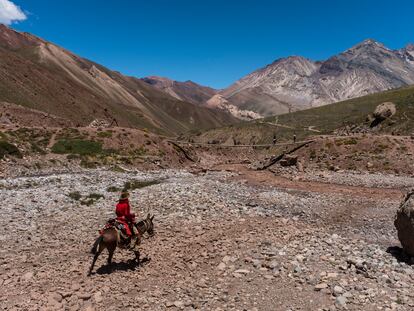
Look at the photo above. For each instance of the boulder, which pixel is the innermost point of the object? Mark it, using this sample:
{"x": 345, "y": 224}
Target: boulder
{"x": 289, "y": 160}
{"x": 230, "y": 142}
{"x": 99, "y": 123}
{"x": 404, "y": 223}
{"x": 384, "y": 111}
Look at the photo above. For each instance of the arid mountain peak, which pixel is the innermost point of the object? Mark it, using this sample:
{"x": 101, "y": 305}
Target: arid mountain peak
{"x": 188, "y": 90}
{"x": 296, "y": 83}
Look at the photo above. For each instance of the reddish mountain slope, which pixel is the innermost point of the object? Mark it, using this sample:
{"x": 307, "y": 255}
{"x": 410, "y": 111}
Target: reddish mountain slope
{"x": 40, "y": 75}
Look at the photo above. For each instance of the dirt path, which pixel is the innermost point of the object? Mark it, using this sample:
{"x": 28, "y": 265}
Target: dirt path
{"x": 260, "y": 178}
{"x": 52, "y": 140}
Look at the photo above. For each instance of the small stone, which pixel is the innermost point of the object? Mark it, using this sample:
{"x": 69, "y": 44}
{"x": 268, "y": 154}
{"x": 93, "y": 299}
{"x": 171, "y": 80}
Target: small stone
{"x": 242, "y": 271}
{"x": 226, "y": 259}
{"x": 28, "y": 276}
{"x": 341, "y": 301}
{"x": 84, "y": 296}
{"x": 338, "y": 290}
{"x": 221, "y": 266}
{"x": 320, "y": 286}
{"x": 55, "y": 297}
{"x": 98, "y": 297}
{"x": 256, "y": 263}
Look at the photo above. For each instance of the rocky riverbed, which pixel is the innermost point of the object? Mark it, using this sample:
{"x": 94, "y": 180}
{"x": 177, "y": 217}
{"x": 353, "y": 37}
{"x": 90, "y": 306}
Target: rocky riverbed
{"x": 222, "y": 242}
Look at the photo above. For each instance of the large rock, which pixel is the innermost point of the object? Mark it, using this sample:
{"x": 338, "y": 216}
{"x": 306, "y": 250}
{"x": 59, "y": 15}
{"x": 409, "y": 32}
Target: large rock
{"x": 289, "y": 160}
{"x": 404, "y": 223}
{"x": 230, "y": 142}
{"x": 99, "y": 123}
{"x": 384, "y": 111}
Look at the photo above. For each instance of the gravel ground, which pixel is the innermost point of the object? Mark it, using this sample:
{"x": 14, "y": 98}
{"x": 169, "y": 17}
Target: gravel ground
{"x": 221, "y": 243}
{"x": 378, "y": 180}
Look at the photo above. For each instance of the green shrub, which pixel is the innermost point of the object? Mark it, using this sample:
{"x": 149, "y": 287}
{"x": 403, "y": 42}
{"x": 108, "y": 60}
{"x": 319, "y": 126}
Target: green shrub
{"x": 77, "y": 146}
{"x": 104, "y": 134}
{"x": 9, "y": 149}
{"x": 95, "y": 196}
{"x": 138, "y": 184}
{"x": 113, "y": 189}
{"x": 118, "y": 169}
{"x": 36, "y": 148}
{"x": 75, "y": 195}
{"x": 86, "y": 163}
{"x": 351, "y": 141}
{"x": 72, "y": 157}
{"x": 91, "y": 199}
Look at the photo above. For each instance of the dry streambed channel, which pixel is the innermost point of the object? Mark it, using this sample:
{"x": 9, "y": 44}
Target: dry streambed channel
{"x": 222, "y": 242}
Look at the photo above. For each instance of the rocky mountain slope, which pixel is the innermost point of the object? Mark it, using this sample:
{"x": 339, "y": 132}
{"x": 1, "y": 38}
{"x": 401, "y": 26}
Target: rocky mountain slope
{"x": 42, "y": 76}
{"x": 200, "y": 95}
{"x": 353, "y": 116}
{"x": 188, "y": 91}
{"x": 296, "y": 83}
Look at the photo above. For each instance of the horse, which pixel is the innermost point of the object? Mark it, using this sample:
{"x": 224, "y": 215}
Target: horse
{"x": 110, "y": 239}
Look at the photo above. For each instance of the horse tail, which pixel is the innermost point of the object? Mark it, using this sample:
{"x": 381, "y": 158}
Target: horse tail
{"x": 95, "y": 245}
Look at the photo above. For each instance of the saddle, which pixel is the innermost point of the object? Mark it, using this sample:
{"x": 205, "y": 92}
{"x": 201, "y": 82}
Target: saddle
{"x": 120, "y": 228}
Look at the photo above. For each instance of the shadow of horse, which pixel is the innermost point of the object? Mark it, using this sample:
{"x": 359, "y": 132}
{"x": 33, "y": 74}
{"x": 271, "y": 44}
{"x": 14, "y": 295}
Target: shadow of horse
{"x": 399, "y": 254}
{"x": 130, "y": 265}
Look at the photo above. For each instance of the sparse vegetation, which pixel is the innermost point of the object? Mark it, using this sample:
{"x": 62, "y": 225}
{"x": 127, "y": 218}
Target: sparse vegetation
{"x": 75, "y": 195}
{"x": 77, "y": 146}
{"x": 91, "y": 199}
{"x": 113, "y": 189}
{"x": 138, "y": 184}
{"x": 88, "y": 200}
{"x": 325, "y": 119}
{"x": 104, "y": 134}
{"x": 117, "y": 168}
{"x": 9, "y": 149}
{"x": 346, "y": 142}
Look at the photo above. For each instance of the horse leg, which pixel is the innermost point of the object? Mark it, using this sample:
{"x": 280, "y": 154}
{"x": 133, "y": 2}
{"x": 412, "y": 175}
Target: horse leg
{"x": 111, "y": 250}
{"x": 94, "y": 259}
{"x": 137, "y": 255}
{"x": 135, "y": 241}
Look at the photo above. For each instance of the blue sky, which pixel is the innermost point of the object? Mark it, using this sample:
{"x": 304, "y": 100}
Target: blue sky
{"x": 212, "y": 42}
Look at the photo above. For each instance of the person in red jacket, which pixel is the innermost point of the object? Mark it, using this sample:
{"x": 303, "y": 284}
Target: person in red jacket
{"x": 125, "y": 217}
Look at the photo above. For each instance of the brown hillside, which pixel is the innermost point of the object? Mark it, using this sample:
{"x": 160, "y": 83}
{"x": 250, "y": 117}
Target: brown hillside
{"x": 40, "y": 75}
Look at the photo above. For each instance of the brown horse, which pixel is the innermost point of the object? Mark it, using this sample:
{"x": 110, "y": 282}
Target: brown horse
{"x": 110, "y": 239}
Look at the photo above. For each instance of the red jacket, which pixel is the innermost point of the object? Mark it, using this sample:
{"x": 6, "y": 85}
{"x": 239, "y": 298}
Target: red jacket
{"x": 124, "y": 215}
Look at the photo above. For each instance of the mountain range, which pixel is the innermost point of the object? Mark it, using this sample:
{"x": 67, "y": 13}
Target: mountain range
{"x": 40, "y": 75}
{"x": 297, "y": 83}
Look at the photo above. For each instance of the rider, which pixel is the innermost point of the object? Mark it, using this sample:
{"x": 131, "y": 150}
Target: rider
{"x": 125, "y": 217}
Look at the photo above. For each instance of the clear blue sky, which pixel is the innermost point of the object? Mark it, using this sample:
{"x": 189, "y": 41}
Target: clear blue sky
{"x": 213, "y": 42}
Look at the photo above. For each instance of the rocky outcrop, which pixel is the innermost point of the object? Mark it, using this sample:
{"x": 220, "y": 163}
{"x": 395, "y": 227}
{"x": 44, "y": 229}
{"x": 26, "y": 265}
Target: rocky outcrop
{"x": 404, "y": 223}
{"x": 219, "y": 102}
{"x": 99, "y": 123}
{"x": 289, "y": 160}
{"x": 384, "y": 111}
